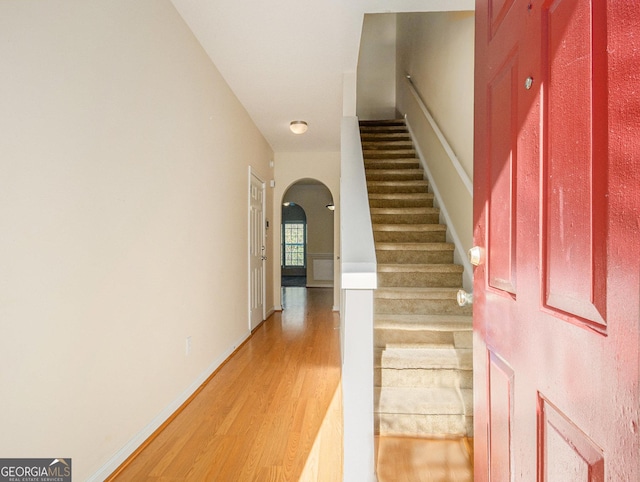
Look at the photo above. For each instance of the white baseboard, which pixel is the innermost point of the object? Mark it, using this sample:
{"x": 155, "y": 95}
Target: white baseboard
{"x": 121, "y": 455}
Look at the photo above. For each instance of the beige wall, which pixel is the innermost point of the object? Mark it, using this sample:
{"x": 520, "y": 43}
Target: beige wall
{"x": 291, "y": 167}
{"x": 376, "y": 83}
{"x": 437, "y": 50}
{"x": 123, "y": 205}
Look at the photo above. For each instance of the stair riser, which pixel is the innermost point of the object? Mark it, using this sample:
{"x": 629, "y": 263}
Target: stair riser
{"x": 382, "y": 131}
{"x": 437, "y": 378}
{"x": 388, "y": 154}
{"x": 384, "y": 137}
{"x": 406, "y": 218}
{"x": 463, "y": 339}
{"x": 401, "y": 203}
{"x": 396, "y": 359}
{"x": 394, "y": 175}
{"x": 385, "y": 336}
{"x": 458, "y": 339}
{"x": 419, "y": 307}
{"x": 409, "y": 236}
{"x": 372, "y": 164}
{"x": 390, "y": 256}
{"x": 401, "y": 187}
{"x": 419, "y": 280}
{"x": 382, "y": 123}
{"x": 389, "y": 145}
{"x": 424, "y": 425}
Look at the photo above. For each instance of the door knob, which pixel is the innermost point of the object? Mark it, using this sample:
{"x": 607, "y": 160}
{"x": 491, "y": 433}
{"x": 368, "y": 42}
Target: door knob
{"x": 476, "y": 255}
{"x": 464, "y": 298}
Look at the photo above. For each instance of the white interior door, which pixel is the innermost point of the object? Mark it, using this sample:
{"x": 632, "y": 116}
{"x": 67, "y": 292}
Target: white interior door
{"x": 257, "y": 251}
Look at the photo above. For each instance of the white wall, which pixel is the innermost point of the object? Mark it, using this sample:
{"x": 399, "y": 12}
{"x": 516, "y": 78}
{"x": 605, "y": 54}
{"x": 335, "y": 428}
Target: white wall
{"x": 123, "y": 198}
{"x": 437, "y": 50}
{"x": 376, "y": 82}
{"x": 291, "y": 167}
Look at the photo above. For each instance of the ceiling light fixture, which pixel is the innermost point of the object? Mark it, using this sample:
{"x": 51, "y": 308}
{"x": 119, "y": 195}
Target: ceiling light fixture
{"x": 298, "y": 127}
{"x": 331, "y": 207}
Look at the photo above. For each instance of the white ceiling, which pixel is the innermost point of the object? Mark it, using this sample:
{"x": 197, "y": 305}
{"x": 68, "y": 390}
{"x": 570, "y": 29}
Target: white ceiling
{"x": 285, "y": 59}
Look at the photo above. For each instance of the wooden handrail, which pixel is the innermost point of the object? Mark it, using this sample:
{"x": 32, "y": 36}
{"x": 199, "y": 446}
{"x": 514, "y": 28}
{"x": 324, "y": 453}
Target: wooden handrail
{"x": 464, "y": 177}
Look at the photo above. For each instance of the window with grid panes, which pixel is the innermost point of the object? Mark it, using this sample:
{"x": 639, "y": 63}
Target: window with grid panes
{"x": 293, "y": 247}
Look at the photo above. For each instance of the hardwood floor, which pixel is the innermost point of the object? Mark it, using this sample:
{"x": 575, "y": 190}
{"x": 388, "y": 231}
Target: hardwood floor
{"x": 405, "y": 459}
{"x": 273, "y": 412}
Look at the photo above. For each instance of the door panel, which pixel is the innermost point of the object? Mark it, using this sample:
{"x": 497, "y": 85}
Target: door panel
{"x": 557, "y": 209}
{"x": 502, "y": 148}
{"x": 257, "y": 252}
{"x": 575, "y": 176}
{"x": 501, "y": 413}
{"x": 566, "y": 453}
{"x": 498, "y": 12}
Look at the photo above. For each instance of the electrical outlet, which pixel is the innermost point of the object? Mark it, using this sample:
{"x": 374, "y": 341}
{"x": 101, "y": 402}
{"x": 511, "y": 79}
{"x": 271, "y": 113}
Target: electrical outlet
{"x": 188, "y": 346}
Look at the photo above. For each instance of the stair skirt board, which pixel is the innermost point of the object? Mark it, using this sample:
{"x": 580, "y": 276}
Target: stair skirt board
{"x": 423, "y": 371}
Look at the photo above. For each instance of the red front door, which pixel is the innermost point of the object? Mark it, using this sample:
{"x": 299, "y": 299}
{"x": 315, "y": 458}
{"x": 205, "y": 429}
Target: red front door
{"x": 557, "y": 215}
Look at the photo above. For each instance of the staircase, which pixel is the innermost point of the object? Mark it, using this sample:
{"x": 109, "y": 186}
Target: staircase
{"x": 423, "y": 339}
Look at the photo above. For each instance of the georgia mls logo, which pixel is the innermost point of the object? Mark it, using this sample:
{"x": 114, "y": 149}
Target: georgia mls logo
{"x": 35, "y": 470}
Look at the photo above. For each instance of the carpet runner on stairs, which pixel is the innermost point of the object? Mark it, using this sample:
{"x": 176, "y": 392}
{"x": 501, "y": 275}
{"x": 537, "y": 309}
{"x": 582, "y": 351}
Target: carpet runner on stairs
{"x": 423, "y": 362}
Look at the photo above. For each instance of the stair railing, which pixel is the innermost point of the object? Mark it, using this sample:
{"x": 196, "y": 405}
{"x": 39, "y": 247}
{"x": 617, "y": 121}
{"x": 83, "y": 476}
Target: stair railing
{"x": 465, "y": 180}
{"x": 464, "y": 177}
{"x": 359, "y": 280}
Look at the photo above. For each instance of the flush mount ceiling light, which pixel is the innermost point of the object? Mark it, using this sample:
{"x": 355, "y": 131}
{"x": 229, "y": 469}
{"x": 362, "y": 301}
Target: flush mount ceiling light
{"x": 298, "y": 127}
{"x": 331, "y": 207}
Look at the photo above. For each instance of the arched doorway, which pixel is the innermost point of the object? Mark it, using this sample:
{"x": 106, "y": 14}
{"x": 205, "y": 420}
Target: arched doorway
{"x": 307, "y": 246}
{"x": 293, "y": 251}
